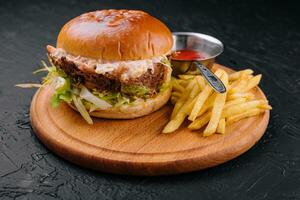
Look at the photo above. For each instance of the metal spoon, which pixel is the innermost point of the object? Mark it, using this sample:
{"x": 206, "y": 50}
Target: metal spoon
{"x": 206, "y": 44}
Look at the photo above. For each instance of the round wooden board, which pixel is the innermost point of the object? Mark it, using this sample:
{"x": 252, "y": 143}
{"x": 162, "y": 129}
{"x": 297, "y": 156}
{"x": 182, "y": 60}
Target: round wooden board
{"x": 137, "y": 146}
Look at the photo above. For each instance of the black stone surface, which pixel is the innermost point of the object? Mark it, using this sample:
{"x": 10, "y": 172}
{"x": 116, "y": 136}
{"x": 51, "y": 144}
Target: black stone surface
{"x": 262, "y": 35}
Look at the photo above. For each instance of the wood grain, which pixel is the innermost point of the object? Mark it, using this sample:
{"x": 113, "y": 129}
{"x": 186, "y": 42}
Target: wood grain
{"x": 137, "y": 146}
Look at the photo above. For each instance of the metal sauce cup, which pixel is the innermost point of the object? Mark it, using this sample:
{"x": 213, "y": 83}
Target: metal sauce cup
{"x": 205, "y": 44}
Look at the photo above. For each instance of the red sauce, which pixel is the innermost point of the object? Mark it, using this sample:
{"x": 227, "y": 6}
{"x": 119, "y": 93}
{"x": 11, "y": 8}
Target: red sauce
{"x": 188, "y": 55}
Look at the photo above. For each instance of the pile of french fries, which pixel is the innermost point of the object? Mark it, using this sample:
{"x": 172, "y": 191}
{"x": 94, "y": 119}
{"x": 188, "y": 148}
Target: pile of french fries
{"x": 195, "y": 100}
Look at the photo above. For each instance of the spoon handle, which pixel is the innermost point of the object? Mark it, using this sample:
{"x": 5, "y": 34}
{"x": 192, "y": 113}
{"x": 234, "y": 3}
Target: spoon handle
{"x": 211, "y": 78}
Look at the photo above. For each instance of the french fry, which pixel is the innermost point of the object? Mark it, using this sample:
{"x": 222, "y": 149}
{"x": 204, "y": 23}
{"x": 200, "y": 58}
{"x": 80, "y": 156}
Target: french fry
{"x": 248, "y": 113}
{"x": 183, "y": 83}
{"x": 242, "y": 107}
{"x": 236, "y": 75}
{"x": 176, "y": 86}
{"x": 221, "y": 126}
{"x": 265, "y": 107}
{"x": 184, "y": 110}
{"x": 239, "y": 85}
{"x": 253, "y": 82}
{"x": 208, "y": 104}
{"x": 196, "y": 89}
{"x": 186, "y": 77}
{"x": 247, "y": 95}
{"x": 220, "y": 72}
{"x": 180, "y": 116}
{"x": 188, "y": 105}
{"x": 174, "y": 100}
{"x": 201, "y": 82}
{"x": 176, "y": 94}
{"x": 201, "y": 98}
{"x": 183, "y": 98}
{"x": 200, "y": 121}
{"x": 234, "y": 102}
{"x": 174, "y": 123}
{"x": 217, "y": 109}
{"x": 186, "y": 102}
{"x": 192, "y": 72}
{"x": 177, "y": 106}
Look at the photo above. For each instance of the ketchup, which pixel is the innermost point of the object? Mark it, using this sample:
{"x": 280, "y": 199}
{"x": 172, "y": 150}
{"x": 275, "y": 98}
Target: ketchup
{"x": 188, "y": 55}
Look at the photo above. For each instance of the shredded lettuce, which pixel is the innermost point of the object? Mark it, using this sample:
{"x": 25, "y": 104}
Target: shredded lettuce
{"x": 53, "y": 74}
{"x": 135, "y": 90}
{"x": 63, "y": 91}
{"x": 114, "y": 98}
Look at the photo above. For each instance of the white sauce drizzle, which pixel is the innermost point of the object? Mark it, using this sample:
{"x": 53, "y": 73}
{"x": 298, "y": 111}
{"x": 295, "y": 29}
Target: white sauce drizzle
{"x": 133, "y": 68}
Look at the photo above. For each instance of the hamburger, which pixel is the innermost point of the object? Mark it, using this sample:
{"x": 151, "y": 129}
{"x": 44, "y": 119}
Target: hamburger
{"x": 111, "y": 64}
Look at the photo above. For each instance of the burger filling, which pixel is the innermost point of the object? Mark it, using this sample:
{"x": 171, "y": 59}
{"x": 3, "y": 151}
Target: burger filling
{"x": 91, "y": 84}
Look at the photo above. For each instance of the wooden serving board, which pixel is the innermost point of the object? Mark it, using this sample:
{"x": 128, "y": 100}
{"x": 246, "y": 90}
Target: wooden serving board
{"x": 137, "y": 146}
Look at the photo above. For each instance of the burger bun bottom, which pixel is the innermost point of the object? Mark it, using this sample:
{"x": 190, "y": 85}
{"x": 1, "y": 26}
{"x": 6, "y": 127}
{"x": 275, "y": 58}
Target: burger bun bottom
{"x": 139, "y": 108}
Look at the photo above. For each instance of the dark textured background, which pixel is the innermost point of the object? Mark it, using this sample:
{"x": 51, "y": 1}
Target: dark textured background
{"x": 262, "y": 35}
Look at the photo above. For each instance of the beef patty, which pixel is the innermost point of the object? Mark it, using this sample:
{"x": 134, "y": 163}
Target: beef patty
{"x": 152, "y": 79}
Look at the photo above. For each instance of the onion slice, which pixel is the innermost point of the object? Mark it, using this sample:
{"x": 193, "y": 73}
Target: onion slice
{"x": 29, "y": 85}
{"x": 81, "y": 109}
{"x": 87, "y": 95}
